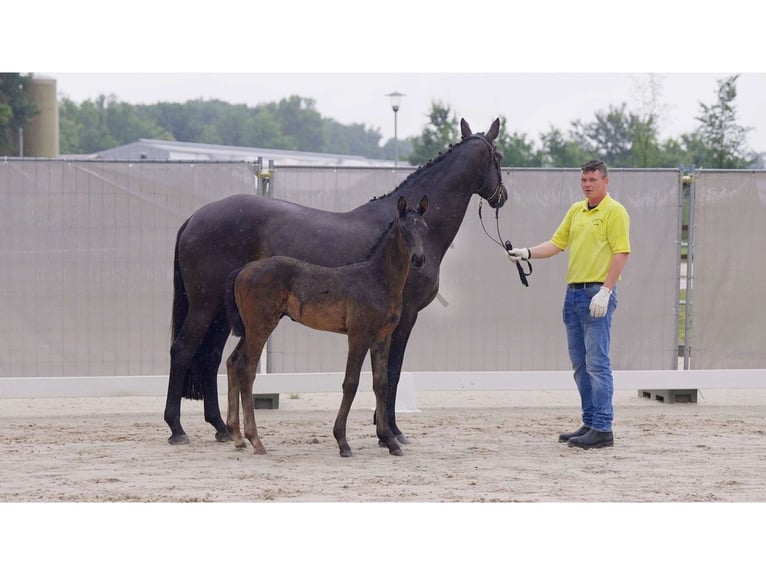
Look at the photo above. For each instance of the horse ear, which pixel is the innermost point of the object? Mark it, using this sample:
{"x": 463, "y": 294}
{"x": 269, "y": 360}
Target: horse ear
{"x": 423, "y": 205}
{"x": 494, "y": 130}
{"x": 401, "y": 206}
{"x": 465, "y": 129}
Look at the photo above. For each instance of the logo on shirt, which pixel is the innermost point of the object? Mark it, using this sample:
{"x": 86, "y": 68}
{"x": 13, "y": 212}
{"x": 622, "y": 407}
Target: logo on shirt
{"x": 598, "y": 222}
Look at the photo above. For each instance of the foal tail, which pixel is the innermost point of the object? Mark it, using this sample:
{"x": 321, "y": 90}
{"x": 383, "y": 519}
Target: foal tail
{"x": 232, "y": 312}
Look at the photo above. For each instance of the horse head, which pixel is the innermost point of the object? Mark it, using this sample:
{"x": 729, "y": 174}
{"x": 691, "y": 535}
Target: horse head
{"x": 493, "y": 188}
{"x": 413, "y": 229}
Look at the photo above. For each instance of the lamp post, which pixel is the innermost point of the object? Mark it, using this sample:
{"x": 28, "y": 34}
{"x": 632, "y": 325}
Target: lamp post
{"x": 396, "y": 100}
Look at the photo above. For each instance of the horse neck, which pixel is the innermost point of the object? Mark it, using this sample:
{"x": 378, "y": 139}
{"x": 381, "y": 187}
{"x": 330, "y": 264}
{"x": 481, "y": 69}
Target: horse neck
{"x": 449, "y": 187}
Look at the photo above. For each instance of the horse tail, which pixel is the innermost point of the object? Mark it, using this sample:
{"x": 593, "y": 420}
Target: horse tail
{"x": 192, "y": 388}
{"x": 232, "y": 311}
{"x": 180, "y": 298}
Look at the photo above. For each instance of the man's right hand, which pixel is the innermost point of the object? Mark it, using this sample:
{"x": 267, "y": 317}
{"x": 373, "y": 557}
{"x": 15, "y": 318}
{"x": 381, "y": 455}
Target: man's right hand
{"x": 519, "y": 254}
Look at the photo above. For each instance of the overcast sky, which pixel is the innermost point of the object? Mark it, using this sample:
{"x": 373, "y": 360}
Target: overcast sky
{"x": 538, "y": 66}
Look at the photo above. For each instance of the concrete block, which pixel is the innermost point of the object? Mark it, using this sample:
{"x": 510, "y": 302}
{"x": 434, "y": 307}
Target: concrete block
{"x": 669, "y": 395}
{"x": 266, "y": 401}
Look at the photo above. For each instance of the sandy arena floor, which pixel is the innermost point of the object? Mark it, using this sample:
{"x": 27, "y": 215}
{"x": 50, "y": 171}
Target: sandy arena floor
{"x": 480, "y": 447}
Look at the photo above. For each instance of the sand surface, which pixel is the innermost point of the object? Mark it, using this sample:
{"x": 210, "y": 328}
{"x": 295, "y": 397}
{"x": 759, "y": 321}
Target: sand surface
{"x": 478, "y": 447}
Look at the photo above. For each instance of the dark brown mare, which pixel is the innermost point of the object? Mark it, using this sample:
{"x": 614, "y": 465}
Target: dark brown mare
{"x": 361, "y": 300}
{"x": 225, "y": 235}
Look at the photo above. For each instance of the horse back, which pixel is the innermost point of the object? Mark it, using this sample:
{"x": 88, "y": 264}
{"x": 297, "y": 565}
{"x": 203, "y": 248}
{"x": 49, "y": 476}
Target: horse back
{"x": 250, "y": 227}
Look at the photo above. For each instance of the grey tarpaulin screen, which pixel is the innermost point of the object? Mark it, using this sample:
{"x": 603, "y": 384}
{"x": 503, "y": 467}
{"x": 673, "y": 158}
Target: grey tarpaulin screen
{"x": 86, "y": 253}
{"x": 728, "y": 327}
{"x": 484, "y": 319}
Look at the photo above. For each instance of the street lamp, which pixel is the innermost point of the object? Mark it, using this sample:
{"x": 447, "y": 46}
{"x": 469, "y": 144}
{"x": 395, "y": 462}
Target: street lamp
{"x": 396, "y": 100}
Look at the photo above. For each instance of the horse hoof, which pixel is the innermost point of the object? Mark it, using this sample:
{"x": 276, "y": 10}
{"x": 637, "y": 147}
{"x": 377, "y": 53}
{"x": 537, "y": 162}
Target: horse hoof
{"x": 396, "y": 452}
{"x": 402, "y": 438}
{"x": 223, "y": 436}
{"x": 240, "y": 445}
{"x": 177, "y": 439}
{"x": 345, "y": 453}
{"x": 260, "y": 450}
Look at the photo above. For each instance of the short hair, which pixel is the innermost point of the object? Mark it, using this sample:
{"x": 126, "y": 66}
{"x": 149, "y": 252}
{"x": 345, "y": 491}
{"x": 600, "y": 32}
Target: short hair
{"x": 595, "y": 165}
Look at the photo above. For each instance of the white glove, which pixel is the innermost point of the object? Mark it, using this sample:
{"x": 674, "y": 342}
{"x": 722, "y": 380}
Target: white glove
{"x": 600, "y": 302}
{"x": 519, "y": 254}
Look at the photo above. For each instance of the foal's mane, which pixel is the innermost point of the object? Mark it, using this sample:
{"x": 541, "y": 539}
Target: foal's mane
{"x": 418, "y": 173}
{"x": 379, "y": 241}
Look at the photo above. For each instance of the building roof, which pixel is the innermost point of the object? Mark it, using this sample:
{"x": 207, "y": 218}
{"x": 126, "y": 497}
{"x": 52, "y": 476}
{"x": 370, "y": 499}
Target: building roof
{"x": 151, "y": 149}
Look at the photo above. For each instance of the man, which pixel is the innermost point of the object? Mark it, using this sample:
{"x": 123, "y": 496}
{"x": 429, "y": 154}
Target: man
{"x": 596, "y": 230}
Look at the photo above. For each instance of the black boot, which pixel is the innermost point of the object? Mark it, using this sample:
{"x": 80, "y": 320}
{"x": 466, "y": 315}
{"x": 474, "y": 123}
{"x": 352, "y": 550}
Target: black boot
{"x": 564, "y": 437}
{"x": 592, "y": 439}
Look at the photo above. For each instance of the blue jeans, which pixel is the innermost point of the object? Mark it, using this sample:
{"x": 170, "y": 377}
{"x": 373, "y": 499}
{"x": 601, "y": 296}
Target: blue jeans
{"x": 588, "y": 339}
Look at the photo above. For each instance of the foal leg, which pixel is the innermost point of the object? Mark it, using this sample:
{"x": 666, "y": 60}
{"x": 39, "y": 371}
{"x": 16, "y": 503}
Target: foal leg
{"x": 253, "y": 348}
{"x": 379, "y": 357}
{"x": 235, "y": 376}
{"x": 357, "y": 350}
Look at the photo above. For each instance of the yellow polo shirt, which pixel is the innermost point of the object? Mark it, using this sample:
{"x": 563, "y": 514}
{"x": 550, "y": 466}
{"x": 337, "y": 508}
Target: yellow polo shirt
{"x": 593, "y": 237}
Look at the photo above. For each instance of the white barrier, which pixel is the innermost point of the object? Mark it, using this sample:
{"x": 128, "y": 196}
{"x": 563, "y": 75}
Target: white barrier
{"x": 410, "y": 382}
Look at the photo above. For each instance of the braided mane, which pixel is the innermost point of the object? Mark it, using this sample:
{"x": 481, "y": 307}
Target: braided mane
{"x": 425, "y": 167}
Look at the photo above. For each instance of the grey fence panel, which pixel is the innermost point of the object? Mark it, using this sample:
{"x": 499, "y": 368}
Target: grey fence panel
{"x": 511, "y": 327}
{"x": 292, "y": 347}
{"x": 86, "y": 251}
{"x": 86, "y": 254}
{"x": 728, "y": 320}
{"x": 484, "y": 319}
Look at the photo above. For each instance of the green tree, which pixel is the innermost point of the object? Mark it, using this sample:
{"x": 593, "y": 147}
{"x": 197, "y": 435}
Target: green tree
{"x": 301, "y": 124}
{"x": 16, "y": 109}
{"x": 687, "y": 153}
{"x": 608, "y": 137}
{"x": 620, "y": 137}
{"x": 723, "y": 138}
{"x": 128, "y": 123}
{"x": 355, "y": 139}
{"x": 437, "y": 135}
{"x": 644, "y": 148}
{"x": 517, "y": 150}
{"x": 404, "y": 146}
{"x": 645, "y": 123}
{"x": 559, "y": 151}
{"x": 102, "y": 124}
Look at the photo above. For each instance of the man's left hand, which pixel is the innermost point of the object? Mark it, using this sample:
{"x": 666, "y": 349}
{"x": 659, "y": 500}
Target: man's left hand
{"x": 600, "y": 302}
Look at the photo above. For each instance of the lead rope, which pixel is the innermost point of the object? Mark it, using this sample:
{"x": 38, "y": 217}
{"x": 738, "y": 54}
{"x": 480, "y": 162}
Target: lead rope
{"x": 506, "y": 245}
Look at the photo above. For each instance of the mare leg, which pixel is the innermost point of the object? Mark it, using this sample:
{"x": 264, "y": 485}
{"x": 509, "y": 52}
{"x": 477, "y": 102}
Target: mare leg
{"x": 399, "y": 340}
{"x": 379, "y": 353}
{"x": 181, "y": 357}
{"x": 207, "y": 361}
{"x": 357, "y": 350}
